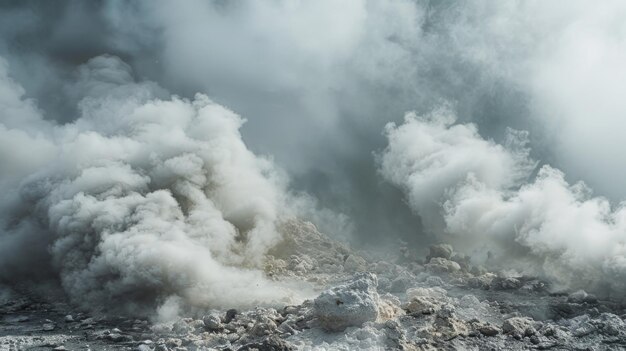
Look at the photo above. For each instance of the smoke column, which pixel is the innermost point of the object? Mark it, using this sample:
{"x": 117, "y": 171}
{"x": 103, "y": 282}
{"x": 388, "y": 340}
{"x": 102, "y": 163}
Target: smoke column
{"x": 140, "y": 200}
{"x": 482, "y": 197}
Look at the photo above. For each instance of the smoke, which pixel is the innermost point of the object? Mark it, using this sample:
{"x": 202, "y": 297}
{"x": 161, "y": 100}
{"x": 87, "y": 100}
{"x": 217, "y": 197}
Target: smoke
{"x": 316, "y": 81}
{"x": 483, "y": 197}
{"x": 140, "y": 200}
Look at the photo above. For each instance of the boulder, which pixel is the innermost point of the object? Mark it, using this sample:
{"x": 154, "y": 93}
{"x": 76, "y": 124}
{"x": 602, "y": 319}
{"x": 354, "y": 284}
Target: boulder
{"x": 348, "y": 305}
{"x": 440, "y": 250}
{"x": 489, "y": 330}
{"x": 442, "y": 265}
{"x": 212, "y": 322}
{"x": 505, "y": 283}
{"x": 581, "y": 296}
{"x": 519, "y": 326}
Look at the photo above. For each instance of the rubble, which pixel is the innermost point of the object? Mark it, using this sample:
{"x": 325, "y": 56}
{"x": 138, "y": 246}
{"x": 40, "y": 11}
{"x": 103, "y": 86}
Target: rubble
{"x": 447, "y": 305}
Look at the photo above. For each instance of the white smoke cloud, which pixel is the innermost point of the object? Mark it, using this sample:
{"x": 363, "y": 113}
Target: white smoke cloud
{"x": 427, "y": 155}
{"x": 480, "y": 196}
{"x": 140, "y": 200}
{"x": 318, "y": 80}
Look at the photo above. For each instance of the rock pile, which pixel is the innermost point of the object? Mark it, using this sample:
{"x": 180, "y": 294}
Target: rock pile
{"x": 442, "y": 303}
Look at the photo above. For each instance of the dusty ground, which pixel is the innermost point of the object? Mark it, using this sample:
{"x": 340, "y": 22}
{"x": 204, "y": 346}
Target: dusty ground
{"x": 437, "y": 302}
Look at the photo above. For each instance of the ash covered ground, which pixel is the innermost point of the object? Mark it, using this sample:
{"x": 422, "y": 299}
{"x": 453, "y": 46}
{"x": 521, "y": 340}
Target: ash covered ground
{"x": 359, "y": 302}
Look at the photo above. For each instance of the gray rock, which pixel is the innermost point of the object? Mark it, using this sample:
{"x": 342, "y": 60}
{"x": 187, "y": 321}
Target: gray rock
{"x": 442, "y": 265}
{"x": 480, "y": 282}
{"x": 440, "y": 250}
{"x": 115, "y": 337}
{"x": 212, "y": 322}
{"x": 581, "y": 296}
{"x": 519, "y": 326}
{"x": 489, "y": 330}
{"x": 505, "y": 283}
{"x": 422, "y": 305}
{"x": 348, "y": 305}
{"x": 230, "y": 315}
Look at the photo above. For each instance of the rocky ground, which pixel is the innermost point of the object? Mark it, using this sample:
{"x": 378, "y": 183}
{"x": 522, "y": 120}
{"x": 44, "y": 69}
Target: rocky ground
{"x": 440, "y": 302}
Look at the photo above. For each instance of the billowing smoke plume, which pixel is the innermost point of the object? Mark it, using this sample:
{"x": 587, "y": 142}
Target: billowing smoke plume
{"x": 140, "y": 200}
{"x": 317, "y": 82}
{"x": 483, "y": 197}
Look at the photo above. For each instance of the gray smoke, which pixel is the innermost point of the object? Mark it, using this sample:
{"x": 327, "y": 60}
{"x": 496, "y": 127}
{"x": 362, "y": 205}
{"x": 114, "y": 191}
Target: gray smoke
{"x": 317, "y": 81}
{"x": 140, "y": 200}
{"x": 481, "y": 196}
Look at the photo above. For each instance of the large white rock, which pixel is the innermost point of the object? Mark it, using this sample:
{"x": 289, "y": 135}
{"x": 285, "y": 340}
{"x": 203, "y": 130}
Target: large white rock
{"x": 348, "y": 305}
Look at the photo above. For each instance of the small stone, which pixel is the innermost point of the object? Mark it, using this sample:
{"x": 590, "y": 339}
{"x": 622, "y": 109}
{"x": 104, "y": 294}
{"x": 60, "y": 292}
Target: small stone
{"x": 534, "y": 339}
{"x": 422, "y": 305}
{"x": 48, "y": 327}
{"x": 69, "y": 318}
{"x": 59, "y": 348}
{"x": 143, "y": 347}
{"x": 518, "y": 326}
{"x": 230, "y": 315}
{"x": 442, "y": 265}
{"x": 212, "y": 322}
{"x": 489, "y": 330}
{"x": 506, "y": 283}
